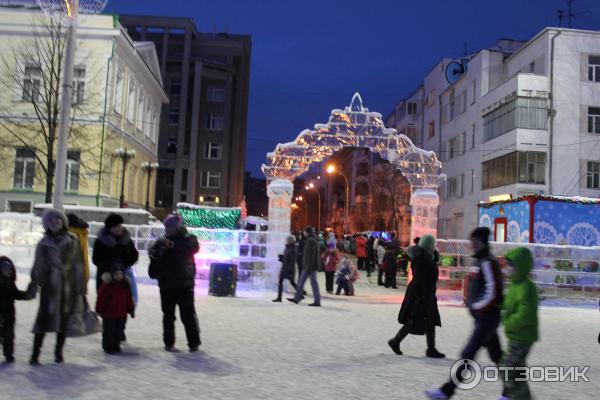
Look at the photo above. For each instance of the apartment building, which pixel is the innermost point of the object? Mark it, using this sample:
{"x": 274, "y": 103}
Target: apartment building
{"x": 118, "y": 96}
{"x": 202, "y": 140}
{"x": 517, "y": 118}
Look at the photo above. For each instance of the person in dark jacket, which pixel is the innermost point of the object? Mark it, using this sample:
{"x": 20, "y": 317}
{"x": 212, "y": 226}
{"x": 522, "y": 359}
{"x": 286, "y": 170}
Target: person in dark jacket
{"x": 300, "y": 248}
{"x": 8, "y": 294}
{"x": 484, "y": 301}
{"x": 288, "y": 262}
{"x": 172, "y": 264}
{"x": 370, "y": 256}
{"x": 419, "y": 312}
{"x": 311, "y": 260}
{"x": 113, "y": 245}
{"x": 57, "y": 270}
{"x": 390, "y": 268}
{"x": 113, "y": 304}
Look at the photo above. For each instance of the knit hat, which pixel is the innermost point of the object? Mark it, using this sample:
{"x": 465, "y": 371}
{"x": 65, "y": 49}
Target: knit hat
{"x": 51, "y": 213}
{"x": 173, "y": 221}
{"x": 76, "y": 222}
{"x": 113, "y": 220}
{"x": 482, "y": 233}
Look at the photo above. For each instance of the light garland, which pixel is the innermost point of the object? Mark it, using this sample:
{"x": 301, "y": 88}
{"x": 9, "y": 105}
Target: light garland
{"x": 209, "y": 217}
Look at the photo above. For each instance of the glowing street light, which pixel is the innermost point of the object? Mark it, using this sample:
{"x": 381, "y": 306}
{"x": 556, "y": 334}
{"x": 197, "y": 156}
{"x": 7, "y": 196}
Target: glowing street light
{"x": 312, "y": 186}
{"x": 332, "y": 170}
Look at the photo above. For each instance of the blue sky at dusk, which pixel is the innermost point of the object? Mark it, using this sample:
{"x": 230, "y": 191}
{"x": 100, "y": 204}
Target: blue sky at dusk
{"x": 310, "y": 56}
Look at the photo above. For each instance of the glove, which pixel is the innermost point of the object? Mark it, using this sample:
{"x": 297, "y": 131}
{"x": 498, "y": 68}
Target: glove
{"x": 132, "y": 313}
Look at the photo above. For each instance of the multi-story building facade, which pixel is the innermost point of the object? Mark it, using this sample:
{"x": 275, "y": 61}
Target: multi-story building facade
{"x": 118, "y": 96}
{"x": 202, "y": 139}
{"x": 520, "y": 119}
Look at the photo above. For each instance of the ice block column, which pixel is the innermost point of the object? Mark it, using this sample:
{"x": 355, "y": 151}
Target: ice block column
{"x": 425, "y": 203}
{"x": 280, "y": 192}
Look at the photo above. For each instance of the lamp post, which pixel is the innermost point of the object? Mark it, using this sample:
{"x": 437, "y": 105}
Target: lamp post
{"x": 299, "y": 199}
{"x": 312, "y": 186}
{"x": 68, "y": 11}
{"x": 125, "y": 155}
{"x": 148, "y": 167}
{"x": 331, "y": 170}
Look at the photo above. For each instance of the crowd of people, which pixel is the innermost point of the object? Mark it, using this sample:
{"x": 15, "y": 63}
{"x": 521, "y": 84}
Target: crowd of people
{"x": 60, "y": 274}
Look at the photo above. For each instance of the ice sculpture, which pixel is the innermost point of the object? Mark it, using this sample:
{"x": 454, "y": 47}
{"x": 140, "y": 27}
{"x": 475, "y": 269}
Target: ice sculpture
{"x": 354, "y": 126}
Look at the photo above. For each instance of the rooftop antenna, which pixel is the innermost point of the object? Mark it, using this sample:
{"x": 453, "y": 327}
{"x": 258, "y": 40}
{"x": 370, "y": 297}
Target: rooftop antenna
{"x": 465, "y": 48}
{"x": 561, "y": 16}
{"x": 571, "y": 14}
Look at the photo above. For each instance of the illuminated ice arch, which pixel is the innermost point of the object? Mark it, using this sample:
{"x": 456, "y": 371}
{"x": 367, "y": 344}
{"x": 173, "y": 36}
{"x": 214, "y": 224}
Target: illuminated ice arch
{"x": 355, "y": 126}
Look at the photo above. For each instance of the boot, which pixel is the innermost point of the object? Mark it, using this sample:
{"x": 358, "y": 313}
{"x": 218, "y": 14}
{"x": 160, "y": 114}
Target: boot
{"x": 395, "y": 346}
{"x": 277, "y": 300}
{"x": 432, "y": 352}
{"x": 38, "y": 340}
{"x": 58, "y": 350}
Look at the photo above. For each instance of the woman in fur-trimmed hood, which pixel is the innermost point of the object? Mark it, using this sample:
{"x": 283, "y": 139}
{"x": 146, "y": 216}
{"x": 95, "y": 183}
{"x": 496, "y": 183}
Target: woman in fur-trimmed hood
{"x": 57, "y": 271}
{"x": 113, "y": 245}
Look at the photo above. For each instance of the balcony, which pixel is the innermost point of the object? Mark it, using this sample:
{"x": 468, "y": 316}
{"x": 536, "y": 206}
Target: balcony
{"x": 520, "y": 85}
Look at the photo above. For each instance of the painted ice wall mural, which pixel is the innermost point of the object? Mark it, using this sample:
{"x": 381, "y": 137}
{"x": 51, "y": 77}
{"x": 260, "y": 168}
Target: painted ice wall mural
{"x": 517, "y": 215}
{"x": 568, "y": 223}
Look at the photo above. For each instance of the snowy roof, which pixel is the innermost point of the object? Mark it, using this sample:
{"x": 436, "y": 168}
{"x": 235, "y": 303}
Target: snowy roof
{"x": 569, "y": 199}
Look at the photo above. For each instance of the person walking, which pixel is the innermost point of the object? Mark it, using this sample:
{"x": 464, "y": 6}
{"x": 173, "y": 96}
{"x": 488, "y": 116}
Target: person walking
{"x": 370, "y": 257}
{"x": 288, "y": 269}
{"x": 57, "y": 270}
{"x": 380, "y": 257}
{"x": 484, "y": 300}
{"x": 311, "y": 263}
{"x": 520, "y": 319}
{"x": 419, "y": 311}
{"x": 300, "y": 251}
{"x": 390, "y": 268}
{"x": 172, "y": 264}
{"x": 361, "y": 251}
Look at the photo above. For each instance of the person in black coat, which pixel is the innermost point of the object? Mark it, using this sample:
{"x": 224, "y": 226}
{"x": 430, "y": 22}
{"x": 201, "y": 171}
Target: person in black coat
{"x": 172, "y": 264}
{"x": 8, "y": 294}
{"x": 370, "y": 256}
{"x": 419, "y": 312}
{"x": 301, "y": 242}
{"x": 288, "y": 263}
{"x": 113, "y": 245}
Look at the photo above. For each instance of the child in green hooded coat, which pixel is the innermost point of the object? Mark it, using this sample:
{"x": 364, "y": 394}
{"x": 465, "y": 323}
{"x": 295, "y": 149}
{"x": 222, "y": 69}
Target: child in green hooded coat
{"x": 520, "y": 320}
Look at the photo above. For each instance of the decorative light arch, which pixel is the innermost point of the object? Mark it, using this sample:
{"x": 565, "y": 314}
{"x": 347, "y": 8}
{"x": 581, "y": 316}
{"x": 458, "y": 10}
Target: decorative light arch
{"x": 354, "y": 126}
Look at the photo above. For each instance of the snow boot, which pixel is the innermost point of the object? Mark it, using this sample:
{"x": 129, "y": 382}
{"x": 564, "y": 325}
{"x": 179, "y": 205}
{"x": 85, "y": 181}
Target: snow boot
{"x": 395, "y": 346}
{"x": 277, "y": 300}
{"x": 58, "y": 350}
{"x": 293, "y": 300}
{"x": 434, "y": 353}
{"x": 38, "y": 340}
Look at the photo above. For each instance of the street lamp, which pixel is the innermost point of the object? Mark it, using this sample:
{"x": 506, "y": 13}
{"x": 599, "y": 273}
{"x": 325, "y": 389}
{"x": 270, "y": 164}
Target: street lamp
{"x": 125, "y": 155}
{"x": 312, "y": 186}
{"x": 67, "y": 11}
{"x": 331, "y": 170}
{"x": 148, "y": 167}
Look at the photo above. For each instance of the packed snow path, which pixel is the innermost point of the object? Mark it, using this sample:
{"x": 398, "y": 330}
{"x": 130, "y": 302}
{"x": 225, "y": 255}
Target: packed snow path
{"x": 255, "y": 349}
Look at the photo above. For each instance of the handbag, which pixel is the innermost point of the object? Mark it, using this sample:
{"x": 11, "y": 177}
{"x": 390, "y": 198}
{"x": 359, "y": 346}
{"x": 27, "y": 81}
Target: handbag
{"x": 83, "y": 323}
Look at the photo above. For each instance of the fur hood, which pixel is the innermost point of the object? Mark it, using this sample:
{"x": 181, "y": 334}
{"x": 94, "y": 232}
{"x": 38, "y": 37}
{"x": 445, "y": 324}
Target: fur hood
{"x": 54, "y": 213}
{"x": 107, "y": 278}
{"x": 13, "y": 278}
{"x": 110, "y": 240}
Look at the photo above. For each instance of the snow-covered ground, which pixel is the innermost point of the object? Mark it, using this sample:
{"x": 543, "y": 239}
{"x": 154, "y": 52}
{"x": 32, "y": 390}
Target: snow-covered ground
{"x": 255, "y": 349}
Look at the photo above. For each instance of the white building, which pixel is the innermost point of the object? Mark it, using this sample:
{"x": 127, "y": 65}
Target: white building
{"x": 522, "y": 119}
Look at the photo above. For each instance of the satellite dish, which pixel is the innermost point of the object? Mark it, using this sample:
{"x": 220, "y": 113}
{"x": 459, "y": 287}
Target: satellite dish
{"x": 454, "y": 70}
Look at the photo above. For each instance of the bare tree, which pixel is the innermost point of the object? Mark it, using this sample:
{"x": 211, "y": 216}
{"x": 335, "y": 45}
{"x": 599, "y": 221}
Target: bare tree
{"x": 387, "y": 183}
{"x": 32, "y": 72}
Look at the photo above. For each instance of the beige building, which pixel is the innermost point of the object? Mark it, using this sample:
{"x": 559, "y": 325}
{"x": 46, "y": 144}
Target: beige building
{"x": 118, "y": 96}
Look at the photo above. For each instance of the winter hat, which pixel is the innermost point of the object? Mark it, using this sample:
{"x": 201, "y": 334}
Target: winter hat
{"x": 482, "y": 233}
{"x": 76, "y": 222}
{"x": 310, "y": 230}
{"x": 113, "y": 220}
{"x": 173, "y": 221}
{"x": 291, "y": 239}
{"x": 427, "y": 242}
{"x": 51, "y": 213}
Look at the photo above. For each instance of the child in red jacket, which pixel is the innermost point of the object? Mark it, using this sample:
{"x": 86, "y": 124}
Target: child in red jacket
{"x": 114, "y": 302}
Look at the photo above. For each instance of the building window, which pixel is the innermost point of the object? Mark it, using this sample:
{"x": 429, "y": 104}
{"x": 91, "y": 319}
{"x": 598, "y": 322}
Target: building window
{"x": 411, "y": 132}
{"x": 212, "y": 151}
{"x": 431, "y": 130}
{"x": 472, "y": 181}
{"x": 362, "y": 169}
{"x": 473, "y": 136}
{"x": 31, "y": 83}
{"x": 174, "y": 115}
{"x": 456, "y": 146}
{"x": 141, "y": 113}
{"x": 362, "y": 189}
{"x": 119, "y": 91}
{"x": 24, "y": 168}
{"x": 594, "y": 119}
{"x": 214, "y": 122}
{"x": 431, "y": 98}
{"x": 79, "y": 85}
{"x": 175, "y": 87}
{"x": 593, "y": 174}
{"x": 411, "y": 108}
{"x": 131, "y": 101}
{"x": 211, "y": 180}
{"x": 172, "y": 145}
{"x": 522, "y": 167}
{"x": 522, "y": 112}
{"x": 473, "y": 99}
{"x": 19, "y": 206}
{"x": 72, "y": 176}
{"x": 594, "y": 68}
{"x": 216, "y": 93}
